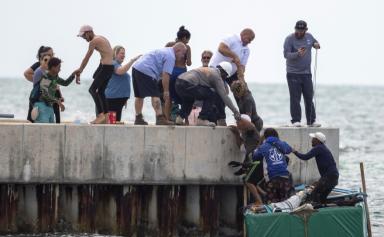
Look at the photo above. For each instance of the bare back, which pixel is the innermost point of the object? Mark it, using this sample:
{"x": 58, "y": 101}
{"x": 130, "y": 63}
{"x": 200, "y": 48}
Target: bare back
{"x": 103, "y": 46}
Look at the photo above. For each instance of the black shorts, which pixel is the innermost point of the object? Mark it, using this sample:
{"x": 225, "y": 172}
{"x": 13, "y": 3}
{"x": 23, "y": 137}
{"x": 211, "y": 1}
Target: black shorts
{"x": 144, "y": 85}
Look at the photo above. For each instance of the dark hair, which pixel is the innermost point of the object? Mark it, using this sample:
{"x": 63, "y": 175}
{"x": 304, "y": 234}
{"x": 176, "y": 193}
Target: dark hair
{"x": 53, "y": 62}
{"x": 42, "y": 50}
{"x": 183, "y": 33}
{"x": 270, "y": 132}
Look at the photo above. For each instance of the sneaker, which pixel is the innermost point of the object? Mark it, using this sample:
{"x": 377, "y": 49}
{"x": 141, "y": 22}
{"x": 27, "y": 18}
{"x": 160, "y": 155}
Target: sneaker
{"x": 296, "y": 124}
{"x": 314, "y": 125}
{"x": 99, "y": 119}
{"x": 179, "y": 121}
{"x": 201, "y": 122}
{"x": 162, "y": 120}
{"x": 140, "y": 120}
{"x": 221, "y": 122}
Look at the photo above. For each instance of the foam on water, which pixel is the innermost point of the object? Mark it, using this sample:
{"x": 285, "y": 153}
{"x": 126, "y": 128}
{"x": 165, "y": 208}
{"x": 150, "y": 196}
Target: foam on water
{"x": 357, "y": 111}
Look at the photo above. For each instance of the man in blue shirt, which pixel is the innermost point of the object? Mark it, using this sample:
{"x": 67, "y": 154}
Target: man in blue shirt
{"x": 326, "y": 165}
{"x": 297, "y": 52}
{"x": 146, "y": 73}
{"x": 277, "y": 177}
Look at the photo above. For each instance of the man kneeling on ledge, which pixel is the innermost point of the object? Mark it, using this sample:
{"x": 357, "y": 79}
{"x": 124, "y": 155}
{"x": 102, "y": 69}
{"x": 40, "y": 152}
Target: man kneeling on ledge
{"x": 206, "y": 84}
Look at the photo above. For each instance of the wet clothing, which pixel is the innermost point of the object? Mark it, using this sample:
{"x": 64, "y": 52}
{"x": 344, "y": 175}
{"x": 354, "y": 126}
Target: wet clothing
{"x": 272, "y": 153}
{"x": 144, "y": 85}
{"x": 97, "y": 89}
{"x": 301, "y": 84}
{"x": 247, "y": 105}
{"x": 327, "y": 168}
{"x": 235, "y": 44}
{"x": 119, "y": 86}
{"x": 154, "y": 63}
{"x": 299, "y": 76}
{"x": 116, "y": 105}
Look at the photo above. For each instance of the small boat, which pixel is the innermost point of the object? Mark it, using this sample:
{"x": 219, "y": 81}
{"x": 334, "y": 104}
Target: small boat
{"x": 343, "y": 215}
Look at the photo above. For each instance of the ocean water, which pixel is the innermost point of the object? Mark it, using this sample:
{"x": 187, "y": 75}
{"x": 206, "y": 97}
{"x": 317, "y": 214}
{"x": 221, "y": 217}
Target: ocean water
{"x": 356, "y": 110}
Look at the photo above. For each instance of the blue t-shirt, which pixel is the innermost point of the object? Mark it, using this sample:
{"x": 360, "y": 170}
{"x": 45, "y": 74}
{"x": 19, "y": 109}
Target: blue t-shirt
{"x": 156, "y": 62}
{"x": 295, "y": 63}
{"x": 119, "y": 86}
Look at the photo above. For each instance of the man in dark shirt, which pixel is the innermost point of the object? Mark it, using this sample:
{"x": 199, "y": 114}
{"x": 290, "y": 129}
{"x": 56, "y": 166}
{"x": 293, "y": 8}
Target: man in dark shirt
{"x": 326, "y": 165}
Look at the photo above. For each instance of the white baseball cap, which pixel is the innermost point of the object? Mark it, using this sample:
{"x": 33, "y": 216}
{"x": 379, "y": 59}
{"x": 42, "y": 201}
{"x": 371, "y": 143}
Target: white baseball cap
{"x": 246, "y": 117}
{"x": 83, "y": 29}
{"x": 319, "y": 136}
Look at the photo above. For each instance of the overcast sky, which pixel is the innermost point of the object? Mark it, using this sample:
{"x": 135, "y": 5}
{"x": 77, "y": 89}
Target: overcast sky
{"x": 350, "y": 32}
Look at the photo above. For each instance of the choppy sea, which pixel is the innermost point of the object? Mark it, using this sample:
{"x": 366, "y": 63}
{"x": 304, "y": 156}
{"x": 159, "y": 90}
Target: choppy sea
{"x": 357, "y": 110}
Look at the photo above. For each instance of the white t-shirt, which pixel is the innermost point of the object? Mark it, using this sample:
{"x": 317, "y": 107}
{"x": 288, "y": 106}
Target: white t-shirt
{"x": 235, "y": 44}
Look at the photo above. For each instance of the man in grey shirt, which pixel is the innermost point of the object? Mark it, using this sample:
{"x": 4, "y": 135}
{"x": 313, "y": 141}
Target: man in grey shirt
{"x": 297, "y": 52}
{"x": 206, "y": 84}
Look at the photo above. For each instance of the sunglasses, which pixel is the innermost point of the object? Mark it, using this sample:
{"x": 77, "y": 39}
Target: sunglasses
{"x": 206, "y": 57}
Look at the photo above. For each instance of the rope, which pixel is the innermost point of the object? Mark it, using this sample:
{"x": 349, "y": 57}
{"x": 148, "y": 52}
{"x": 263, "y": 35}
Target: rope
{"x": 314, "y": 81}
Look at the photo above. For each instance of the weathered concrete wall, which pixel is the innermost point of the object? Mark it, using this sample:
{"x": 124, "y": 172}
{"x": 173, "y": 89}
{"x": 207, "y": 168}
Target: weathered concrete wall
{"x": 135, "y": 154}
{"x": 129, "y": 180}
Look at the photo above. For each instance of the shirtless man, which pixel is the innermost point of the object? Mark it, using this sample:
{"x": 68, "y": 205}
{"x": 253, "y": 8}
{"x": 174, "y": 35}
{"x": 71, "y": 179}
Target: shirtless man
{"x": 103, "y": 72}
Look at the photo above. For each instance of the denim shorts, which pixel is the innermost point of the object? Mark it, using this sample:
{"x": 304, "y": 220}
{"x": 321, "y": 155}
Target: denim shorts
{"x": 45, "y": 113}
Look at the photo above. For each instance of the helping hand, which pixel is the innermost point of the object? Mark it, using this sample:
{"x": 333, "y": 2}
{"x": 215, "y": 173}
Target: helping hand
{"x": 62, "y": 107}
{"x": 237, "y": 116}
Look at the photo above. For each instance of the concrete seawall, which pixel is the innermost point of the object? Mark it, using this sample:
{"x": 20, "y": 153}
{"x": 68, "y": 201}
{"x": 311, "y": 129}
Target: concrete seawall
{"x": 129, "y": 180}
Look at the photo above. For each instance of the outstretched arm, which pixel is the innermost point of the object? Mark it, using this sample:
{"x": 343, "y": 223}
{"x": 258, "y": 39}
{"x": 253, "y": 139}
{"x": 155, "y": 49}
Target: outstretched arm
{"x": 123, "y": 69}
{"x": 91, "y": 48}
{"x": 312, "y": 153}
{"x": 66, "y": 82}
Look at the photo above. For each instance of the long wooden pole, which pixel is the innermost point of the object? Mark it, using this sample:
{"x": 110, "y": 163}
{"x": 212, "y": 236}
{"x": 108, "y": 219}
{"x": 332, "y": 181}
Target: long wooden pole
{"x": 245, "y": 202}
{"x": 365, "y": 198}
